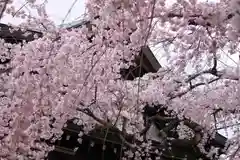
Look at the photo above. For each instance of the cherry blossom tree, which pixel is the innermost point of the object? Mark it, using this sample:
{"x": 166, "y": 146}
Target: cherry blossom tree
{"x": 75, "y": 73}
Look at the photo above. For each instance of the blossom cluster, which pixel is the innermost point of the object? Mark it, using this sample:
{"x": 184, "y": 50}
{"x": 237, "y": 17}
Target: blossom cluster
{"x": 57, "y": 77}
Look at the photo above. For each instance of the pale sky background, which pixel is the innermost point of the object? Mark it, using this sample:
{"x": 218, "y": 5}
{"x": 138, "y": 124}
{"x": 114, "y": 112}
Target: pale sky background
{"x": 57, "y": 10}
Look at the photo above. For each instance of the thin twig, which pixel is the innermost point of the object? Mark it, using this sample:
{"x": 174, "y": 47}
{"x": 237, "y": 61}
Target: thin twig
{"x": 70, "y": 9}
{"x": 88, "y": 112}
{"x": 192, "y": 87}
{"x": 3, "y": 8}
{"x": 192, "y": 77}
{"x": 24, "y": 5}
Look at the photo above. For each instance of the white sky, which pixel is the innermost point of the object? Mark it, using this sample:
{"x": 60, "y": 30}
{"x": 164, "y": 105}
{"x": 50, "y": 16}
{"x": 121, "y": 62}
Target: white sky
{"x": 58, "y": 13}
{"x": 57, "y": 10}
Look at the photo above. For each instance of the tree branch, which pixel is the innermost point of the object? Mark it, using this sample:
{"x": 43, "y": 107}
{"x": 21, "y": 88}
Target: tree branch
{"x": 192, "y": 87}
{"x": 125, "y": 142}
{"x": 88, "y": 112}
{"x": 191, "y": 20}
{"x": 124, "y": 131}
{"x": 165, "y": 131}
{"x": 192, "y": 77}
{"x": 4, "y": 6}
{"x": 155, "y": 118}
{"x": 161, "y": 118}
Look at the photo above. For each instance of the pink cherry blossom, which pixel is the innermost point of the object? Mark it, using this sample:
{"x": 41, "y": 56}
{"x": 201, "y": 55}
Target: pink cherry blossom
{"x": 75, "y": 73}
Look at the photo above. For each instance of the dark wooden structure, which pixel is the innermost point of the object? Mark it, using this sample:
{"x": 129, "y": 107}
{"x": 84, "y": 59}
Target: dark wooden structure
{"x": 65, "y": 149}
{"x": 11, "y": 35}
{"x": 149, "y": 64}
